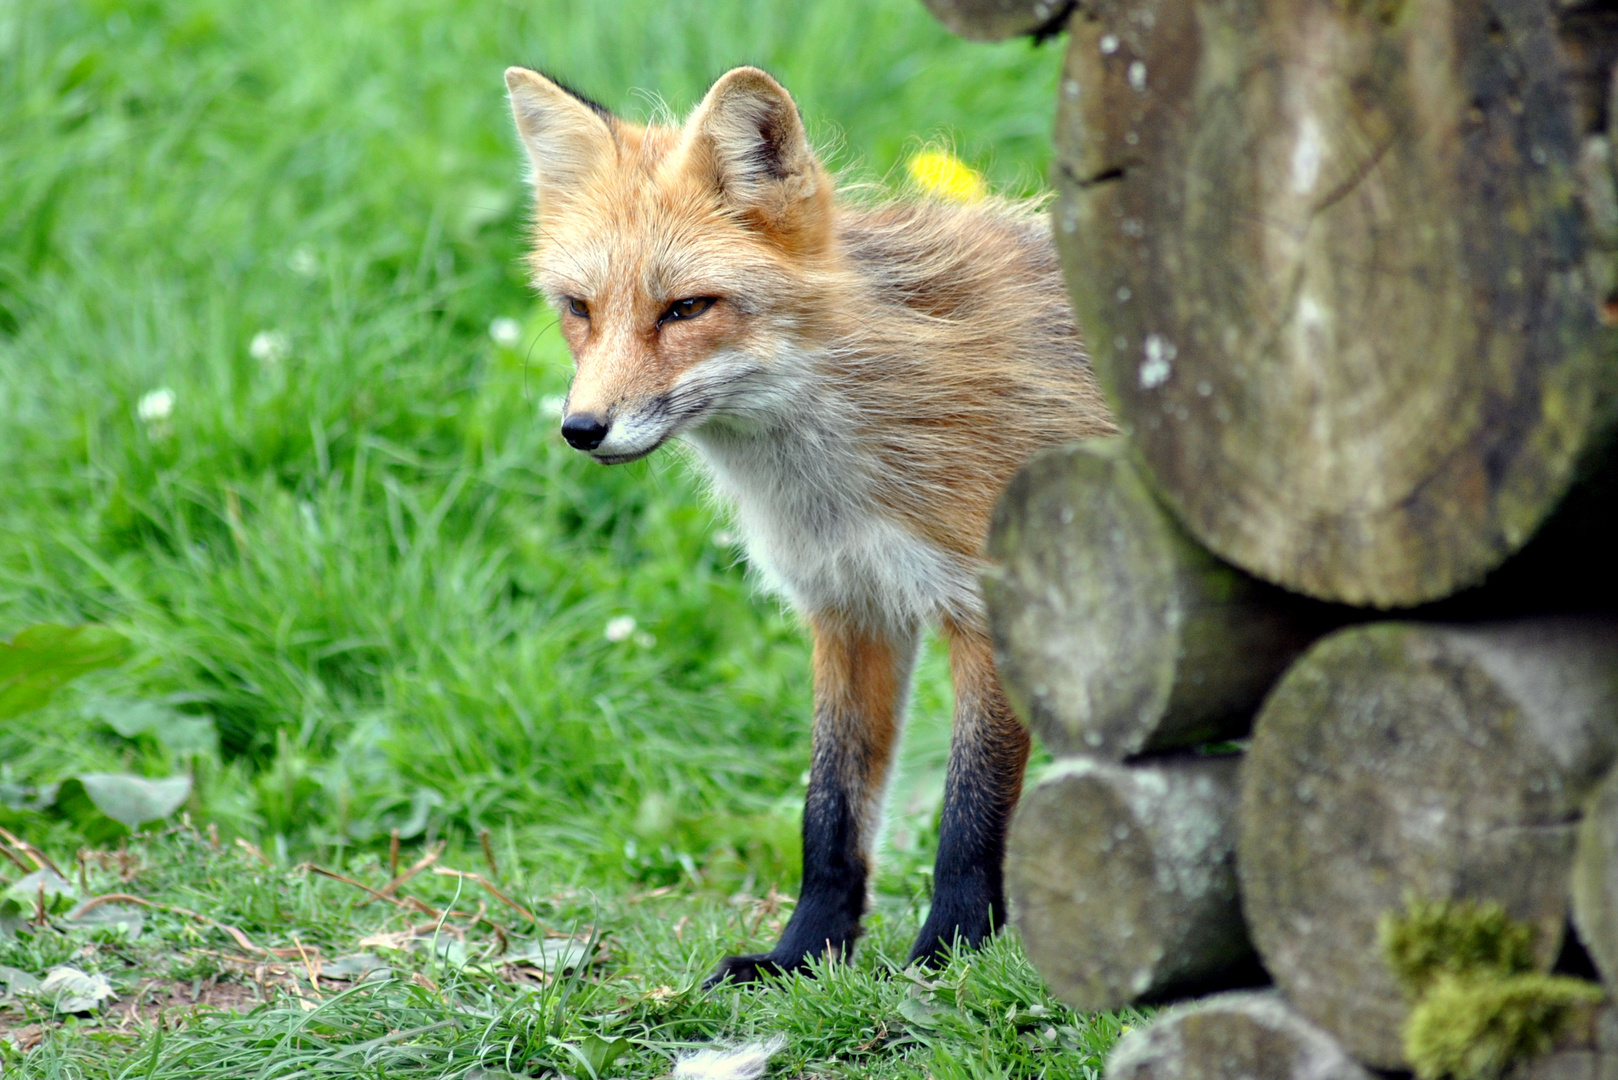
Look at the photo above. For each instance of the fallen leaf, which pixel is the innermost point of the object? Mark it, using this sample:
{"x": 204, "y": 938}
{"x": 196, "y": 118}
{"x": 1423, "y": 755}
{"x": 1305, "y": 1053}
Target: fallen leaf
{"x": 553, "y": 956}
{"x": 356, "y": 968}
{"x": 73, "y": 991}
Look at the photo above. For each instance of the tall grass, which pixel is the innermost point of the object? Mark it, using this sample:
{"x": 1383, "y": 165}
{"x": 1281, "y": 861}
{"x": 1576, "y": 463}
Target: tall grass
{"x": 356, "y": 542}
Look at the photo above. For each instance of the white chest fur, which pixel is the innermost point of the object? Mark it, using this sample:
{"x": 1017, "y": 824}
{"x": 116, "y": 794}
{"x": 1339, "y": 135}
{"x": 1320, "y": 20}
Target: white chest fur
{"x": 815, "y": 533}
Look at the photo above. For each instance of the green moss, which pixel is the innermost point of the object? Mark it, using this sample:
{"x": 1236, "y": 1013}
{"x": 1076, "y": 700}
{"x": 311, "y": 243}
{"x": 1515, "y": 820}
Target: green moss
{"x": 1473, "y": 1027}
{"x": 1434, "y": 938}
{"x": 1477, "y": 1005}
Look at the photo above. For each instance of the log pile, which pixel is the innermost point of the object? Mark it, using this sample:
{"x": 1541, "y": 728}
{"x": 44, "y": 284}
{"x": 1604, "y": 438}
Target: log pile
{"x": 1330, "y": 635}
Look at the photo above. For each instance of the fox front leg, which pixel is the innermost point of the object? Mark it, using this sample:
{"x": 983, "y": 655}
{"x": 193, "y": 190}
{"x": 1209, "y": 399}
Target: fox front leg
{"x": 988, "y": 752}
{"x": 861, "y": 681}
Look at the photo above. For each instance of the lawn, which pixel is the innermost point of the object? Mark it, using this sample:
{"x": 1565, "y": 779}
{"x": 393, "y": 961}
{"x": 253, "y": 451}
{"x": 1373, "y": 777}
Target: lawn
{"x": 277, "y": 406}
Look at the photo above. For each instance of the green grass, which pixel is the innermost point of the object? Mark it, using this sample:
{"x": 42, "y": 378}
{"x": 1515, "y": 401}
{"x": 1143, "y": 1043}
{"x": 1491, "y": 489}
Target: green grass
{"x": 358, "y": 547}
{"x": 446, "y": 1006}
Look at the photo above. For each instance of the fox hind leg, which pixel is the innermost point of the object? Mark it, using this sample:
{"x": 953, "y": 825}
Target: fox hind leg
{"x": 861, "y": 681}
{"x": 988, "y": 752}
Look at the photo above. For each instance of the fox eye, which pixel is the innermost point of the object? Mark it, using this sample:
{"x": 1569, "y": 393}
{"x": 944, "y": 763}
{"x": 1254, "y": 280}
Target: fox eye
{"x": 578, "y": 307}
{"x": 688, "y": 308}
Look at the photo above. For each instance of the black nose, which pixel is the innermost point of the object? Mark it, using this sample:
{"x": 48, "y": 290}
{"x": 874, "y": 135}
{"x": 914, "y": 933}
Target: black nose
{"x": 583, "y": 431}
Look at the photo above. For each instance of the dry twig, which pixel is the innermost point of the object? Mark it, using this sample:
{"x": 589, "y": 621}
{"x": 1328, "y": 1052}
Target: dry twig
{"x": 487, "y": 884}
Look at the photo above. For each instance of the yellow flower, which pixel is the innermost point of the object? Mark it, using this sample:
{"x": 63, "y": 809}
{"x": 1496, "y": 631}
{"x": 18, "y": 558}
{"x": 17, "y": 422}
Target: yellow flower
{"x": 941, "y": 173}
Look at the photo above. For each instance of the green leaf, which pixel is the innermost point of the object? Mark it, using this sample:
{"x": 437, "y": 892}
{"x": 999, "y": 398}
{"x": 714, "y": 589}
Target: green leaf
{"x": 42, "y": 659}
{"x": 118, "y": 920}
{"x": 601, "y": 1052}
{"x": 183, "y": 733}
{"x": 17, "y": 981}
{"x": 25, "y": 891}
{"x": 135, "y": 800}
{"x": 593, "y": 1052}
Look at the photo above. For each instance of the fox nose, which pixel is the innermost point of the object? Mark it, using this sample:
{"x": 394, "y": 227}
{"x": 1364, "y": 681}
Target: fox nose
{"x": 583, "y": 431}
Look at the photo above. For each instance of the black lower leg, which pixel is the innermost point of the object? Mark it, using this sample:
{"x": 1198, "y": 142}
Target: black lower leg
{"x": 969, "y": 901}
{"x": 826, "y": 920}
{"x": 987, "y": 756}
{"x": 860, "y": 680}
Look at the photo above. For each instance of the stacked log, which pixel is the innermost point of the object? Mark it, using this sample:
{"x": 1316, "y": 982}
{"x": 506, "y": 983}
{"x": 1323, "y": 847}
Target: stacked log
{"x": 1125, "y": 880}
{"x": 1348, "y": 272}
{"x": 1115, "y": 633}
{"x": 1400, "y": 759}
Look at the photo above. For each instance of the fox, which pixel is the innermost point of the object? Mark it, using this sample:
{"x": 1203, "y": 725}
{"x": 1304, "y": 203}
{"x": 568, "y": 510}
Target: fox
{"x": 859, "y": 377}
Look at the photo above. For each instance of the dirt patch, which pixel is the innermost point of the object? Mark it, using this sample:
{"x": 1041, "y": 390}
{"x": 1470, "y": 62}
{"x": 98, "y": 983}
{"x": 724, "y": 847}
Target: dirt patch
{"x": 172, "y": 999}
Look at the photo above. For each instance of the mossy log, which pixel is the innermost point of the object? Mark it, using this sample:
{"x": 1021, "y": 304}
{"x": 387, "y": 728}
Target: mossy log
{"x": 995, "y": 20}
{"x": 1122, "y": 880}
{"x": 1586, "y": 1049}
{"x": 1595, "y": 882}
{"x": 1398, "y": 761}
{"x": 1337, "y": 275}
{"x": 1114, "y": 632}
{"x": 1241, "y": 1036}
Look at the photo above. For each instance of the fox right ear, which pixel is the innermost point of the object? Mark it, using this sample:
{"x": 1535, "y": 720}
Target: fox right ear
{"x": 756, "y": 142}
{"x": 567, "y": 136}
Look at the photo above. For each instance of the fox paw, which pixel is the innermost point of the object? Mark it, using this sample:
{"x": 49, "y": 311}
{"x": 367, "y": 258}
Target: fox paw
{"x": 755, "y": 967}
{"x": 938, "y": 943}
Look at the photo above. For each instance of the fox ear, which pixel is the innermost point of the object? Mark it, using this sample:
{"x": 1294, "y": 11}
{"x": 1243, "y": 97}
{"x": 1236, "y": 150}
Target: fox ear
{"x": 567, "y": 136}
{"x": 751, "y": 129}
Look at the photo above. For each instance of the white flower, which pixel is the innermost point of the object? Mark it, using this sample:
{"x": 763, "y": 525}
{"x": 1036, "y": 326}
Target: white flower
{"x": 270, "y": 347}
{"x": 156, "y": 406}
{"x": 551, "y": 404}
{"x": 506, "y": 332}
{"x": 303, "y": 262}
{"x": 620, "y": 627}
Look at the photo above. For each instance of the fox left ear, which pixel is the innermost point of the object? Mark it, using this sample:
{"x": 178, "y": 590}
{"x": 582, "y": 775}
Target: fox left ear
{"x": 754, "y": 136}
{"x": 567, "y": 135}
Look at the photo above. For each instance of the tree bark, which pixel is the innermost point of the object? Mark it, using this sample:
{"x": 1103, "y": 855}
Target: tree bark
{"x": 1404, "y": 760}
{"x": 1114, "y": 632}
{"x": 1244, "y": 1036}
{"x": 1123, "y": 884}
{"x": 1333, "y": 265}
{"x": 1595, "y": 882}
{"x": 995, "y": 20}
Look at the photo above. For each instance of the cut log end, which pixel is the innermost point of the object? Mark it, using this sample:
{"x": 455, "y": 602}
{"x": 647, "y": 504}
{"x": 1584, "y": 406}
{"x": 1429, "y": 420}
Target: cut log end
{"x": 1595, "y": 883}
{"x": 1122, "y": 880}
{"x": 1400, "y": 760}
{"x": 1115, "y": 634}
{"x": 1331, "y": 274}
{"x": 1243, "y": 1036}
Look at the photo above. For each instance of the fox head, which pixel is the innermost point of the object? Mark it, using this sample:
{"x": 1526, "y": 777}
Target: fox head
{"x": 682, "y": 261}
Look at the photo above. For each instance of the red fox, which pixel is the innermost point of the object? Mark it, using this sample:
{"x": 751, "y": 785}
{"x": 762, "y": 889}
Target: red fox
{"x": 860, "y": 381}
